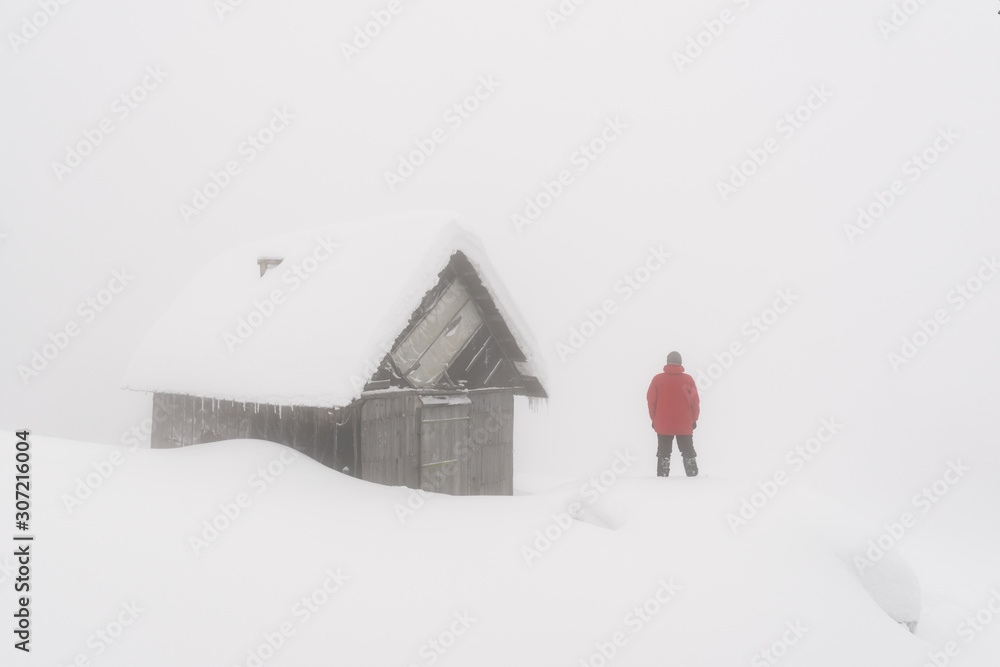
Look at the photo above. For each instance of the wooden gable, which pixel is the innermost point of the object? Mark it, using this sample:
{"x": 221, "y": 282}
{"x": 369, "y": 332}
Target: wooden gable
{"x": 458, "y": 306}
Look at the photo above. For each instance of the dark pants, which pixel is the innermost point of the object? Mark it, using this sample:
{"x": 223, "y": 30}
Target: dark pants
{"x": 685, "y": 443}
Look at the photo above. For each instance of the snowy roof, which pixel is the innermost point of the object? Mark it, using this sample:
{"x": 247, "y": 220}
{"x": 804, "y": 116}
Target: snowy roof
{"x": 311, "y": 330}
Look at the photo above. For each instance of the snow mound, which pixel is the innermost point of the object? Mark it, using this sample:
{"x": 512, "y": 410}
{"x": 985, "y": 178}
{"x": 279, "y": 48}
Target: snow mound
{"x": 246, "y": 553}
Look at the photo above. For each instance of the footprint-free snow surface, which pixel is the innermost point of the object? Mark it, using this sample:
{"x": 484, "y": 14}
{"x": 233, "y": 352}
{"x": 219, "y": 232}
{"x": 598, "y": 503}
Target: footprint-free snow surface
{"x": 245, "y": 553}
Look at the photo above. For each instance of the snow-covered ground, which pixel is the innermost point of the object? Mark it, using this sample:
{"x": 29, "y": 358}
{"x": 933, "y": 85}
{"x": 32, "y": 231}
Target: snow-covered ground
{"x": 214, "y": 554}
{"x": 185, "y": 85}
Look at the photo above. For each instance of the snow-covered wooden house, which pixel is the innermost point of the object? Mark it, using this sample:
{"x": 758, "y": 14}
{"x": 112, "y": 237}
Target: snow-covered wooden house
{"x": 385, "y": 348}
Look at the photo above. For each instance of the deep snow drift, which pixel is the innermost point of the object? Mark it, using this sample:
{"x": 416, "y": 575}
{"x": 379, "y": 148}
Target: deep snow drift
{"x": 333, "y": 570}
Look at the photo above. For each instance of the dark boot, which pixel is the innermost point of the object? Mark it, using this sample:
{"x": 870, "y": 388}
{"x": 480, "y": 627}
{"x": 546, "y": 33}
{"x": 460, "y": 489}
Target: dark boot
{"x": 663, "y": 466}
{"x": 691, "y": 466}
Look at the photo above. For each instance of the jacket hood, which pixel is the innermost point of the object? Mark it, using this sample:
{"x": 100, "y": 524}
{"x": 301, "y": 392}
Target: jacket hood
{"x": 673, "y": 368}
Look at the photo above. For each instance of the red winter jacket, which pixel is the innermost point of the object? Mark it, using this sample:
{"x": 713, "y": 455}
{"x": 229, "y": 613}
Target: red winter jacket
{"x": 673, "y": 401}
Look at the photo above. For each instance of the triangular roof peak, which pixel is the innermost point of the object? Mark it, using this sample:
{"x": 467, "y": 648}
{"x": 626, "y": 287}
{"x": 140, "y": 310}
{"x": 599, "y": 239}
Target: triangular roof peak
{"x": 314, "y": 329}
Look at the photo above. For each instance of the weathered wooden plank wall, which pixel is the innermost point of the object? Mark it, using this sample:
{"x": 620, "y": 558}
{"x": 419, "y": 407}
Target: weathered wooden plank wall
{"x": 389, "y": 429}
{"x": 390, "y": 437}
{"x": 444, "y": 433}
{"x": 186, "y": 420}
{"x": 166, "y": 422}
{"x": 492, "y": 442}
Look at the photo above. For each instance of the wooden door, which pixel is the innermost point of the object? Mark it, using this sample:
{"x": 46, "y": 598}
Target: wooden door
{"x": 389, "y": 440}
{"x": 492, "y": 465}
{"x": 444, "y": 437}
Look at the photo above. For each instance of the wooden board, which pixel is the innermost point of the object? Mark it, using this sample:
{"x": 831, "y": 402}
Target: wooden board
{"x": 390, "y": 440}
{"x": 492, "y": 442}
{"x": 444, "y": 434}
{"x": 394, "y": 444}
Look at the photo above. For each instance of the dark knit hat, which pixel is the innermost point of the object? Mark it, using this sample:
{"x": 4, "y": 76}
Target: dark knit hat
{"x": 674, "y": 358}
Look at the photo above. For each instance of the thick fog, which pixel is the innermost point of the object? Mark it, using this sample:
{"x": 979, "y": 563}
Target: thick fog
{"x": 812, "y": 183}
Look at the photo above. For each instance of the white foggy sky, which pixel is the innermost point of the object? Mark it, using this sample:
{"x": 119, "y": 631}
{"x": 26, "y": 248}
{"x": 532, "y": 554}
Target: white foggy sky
{"x": 655, "y": 185}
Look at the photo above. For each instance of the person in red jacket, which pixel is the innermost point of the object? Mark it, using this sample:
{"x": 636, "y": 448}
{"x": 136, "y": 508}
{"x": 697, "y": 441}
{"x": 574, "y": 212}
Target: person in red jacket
{"x": 674, "y": 407}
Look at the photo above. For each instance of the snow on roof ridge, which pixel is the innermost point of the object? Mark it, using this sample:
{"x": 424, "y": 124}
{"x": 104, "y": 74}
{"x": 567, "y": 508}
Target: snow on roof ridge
{"x": 342, "y": 323}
